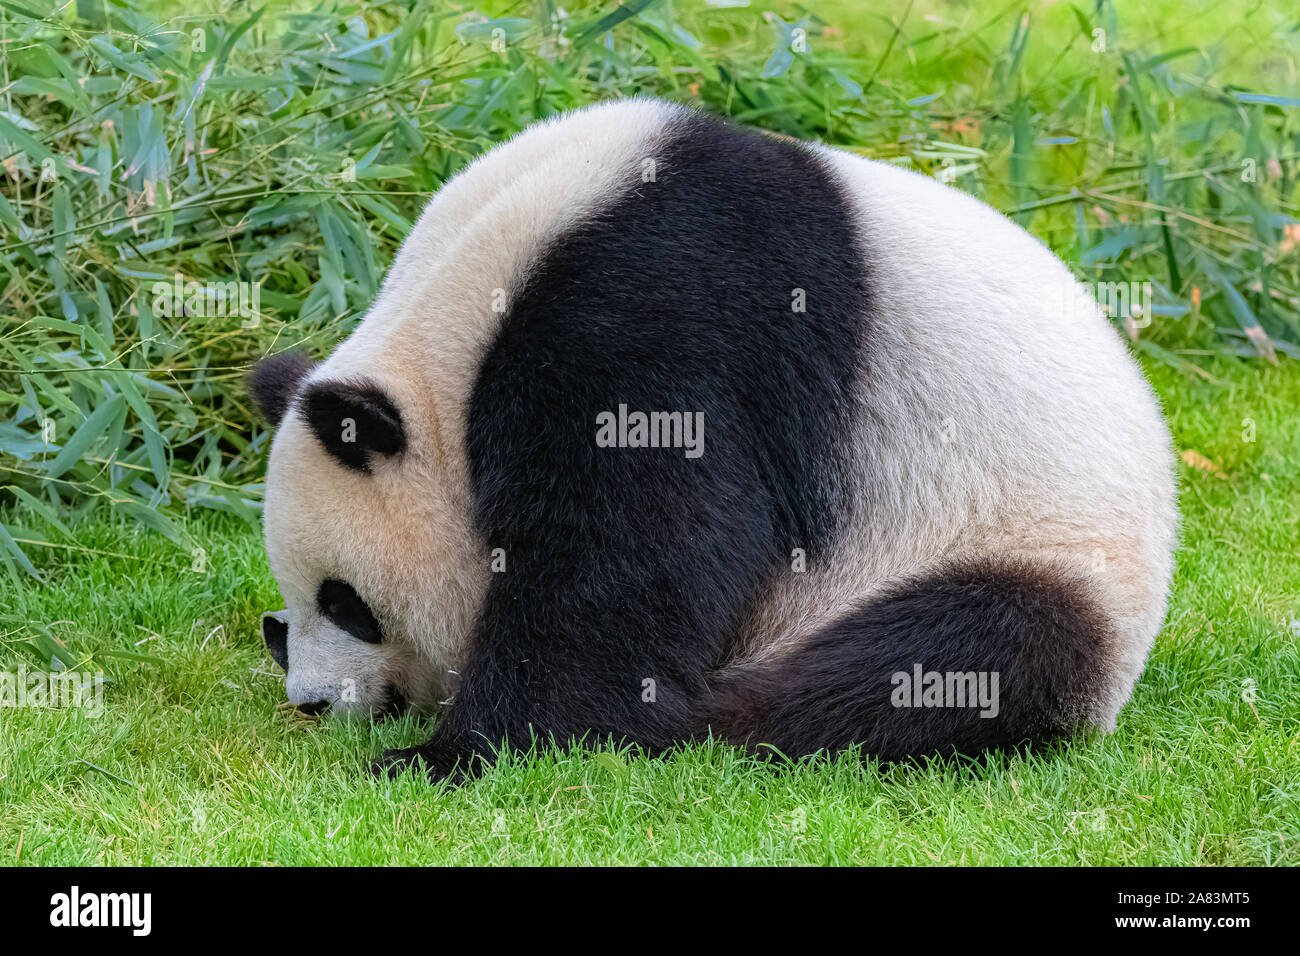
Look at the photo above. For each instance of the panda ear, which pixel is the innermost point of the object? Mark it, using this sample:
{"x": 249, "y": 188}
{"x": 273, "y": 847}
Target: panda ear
{"x": 352, "y": 419}
{"x": 274, "y": 382}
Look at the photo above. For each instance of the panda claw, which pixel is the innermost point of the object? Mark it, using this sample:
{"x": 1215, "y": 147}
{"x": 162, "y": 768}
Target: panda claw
{"x": 394, "y": 763}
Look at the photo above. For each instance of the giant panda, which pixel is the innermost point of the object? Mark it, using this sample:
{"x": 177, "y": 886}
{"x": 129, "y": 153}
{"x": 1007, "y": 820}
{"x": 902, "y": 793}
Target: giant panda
{"x": 661, "y": 428}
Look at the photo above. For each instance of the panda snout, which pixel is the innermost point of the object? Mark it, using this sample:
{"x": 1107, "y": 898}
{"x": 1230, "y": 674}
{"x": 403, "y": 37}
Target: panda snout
{"x": 393, "y": 703}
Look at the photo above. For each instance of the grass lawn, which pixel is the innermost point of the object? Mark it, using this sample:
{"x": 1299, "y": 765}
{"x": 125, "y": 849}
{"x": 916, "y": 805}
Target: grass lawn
{"x": 197, "y": 759}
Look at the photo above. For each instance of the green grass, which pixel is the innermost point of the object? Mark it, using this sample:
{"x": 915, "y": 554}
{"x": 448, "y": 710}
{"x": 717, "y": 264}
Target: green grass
{"x": 197, "y": 760}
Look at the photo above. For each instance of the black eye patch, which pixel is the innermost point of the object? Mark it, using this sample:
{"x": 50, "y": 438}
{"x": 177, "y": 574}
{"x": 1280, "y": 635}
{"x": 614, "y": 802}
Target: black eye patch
{"x": 339, "y": 602}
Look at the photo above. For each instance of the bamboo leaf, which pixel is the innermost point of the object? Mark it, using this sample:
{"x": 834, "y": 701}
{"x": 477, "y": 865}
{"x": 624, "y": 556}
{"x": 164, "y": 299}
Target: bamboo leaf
{"x": 96, "y": 425}
{"x": 16, "y": 553}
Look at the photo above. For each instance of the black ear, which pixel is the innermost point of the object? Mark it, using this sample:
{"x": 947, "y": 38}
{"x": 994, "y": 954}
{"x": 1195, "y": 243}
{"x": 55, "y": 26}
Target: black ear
{"x": 352, "y": 419}
{"x": 276, "y": 634}
{"x": 274, "y": 381}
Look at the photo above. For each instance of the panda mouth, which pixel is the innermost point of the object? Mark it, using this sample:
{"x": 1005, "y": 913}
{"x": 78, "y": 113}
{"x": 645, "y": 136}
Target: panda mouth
{"x": 396, "y": 704}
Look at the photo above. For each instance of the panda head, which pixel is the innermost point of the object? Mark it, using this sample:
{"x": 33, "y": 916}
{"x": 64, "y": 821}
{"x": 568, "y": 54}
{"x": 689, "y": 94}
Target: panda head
{"x": 365, "y": 532}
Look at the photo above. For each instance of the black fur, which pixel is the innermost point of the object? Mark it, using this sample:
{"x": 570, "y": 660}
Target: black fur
{"x": 274, "y": 381}
{"x": 353, "y": 419}
{"x": 632, "y": 565}
{"x": 1033, "y": 626}
{"x": 276, "y": 634}
{"x": 340, "y": 602}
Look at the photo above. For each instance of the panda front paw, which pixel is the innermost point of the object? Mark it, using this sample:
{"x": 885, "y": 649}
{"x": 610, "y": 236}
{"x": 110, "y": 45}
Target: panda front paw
{"x": 427, "y": 761}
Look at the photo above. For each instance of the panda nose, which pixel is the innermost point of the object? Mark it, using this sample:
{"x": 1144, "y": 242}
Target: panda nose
{"x": 275, "y": 632}
{"x": 314, "y": 708}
